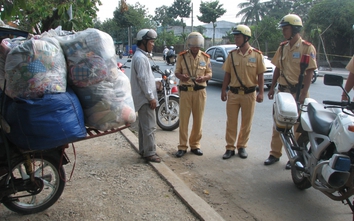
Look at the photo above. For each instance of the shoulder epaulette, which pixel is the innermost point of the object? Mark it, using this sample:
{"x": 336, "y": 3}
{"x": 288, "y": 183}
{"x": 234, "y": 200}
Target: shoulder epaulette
{"x": 306, "y": 42}
{"x": 205, "y": 54}
{"x": 256, "y": 50}
{"x": 283, "y": 43}
{"x": 183, "y": 52}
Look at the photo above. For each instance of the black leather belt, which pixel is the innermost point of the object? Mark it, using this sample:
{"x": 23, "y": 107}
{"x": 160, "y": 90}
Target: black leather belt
{"x": 288, "y": 88}
{"x": 190, "y": 87}
{"x": 242, "y": 90}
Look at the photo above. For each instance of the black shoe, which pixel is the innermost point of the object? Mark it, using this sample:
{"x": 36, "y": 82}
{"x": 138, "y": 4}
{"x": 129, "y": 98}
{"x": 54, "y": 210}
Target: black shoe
{"x": 180, "y": 153}
{"x": 228, "y": 154}
{"x": 288, "y": 166}
{"x": 242, "y": 153}
{"x": 197, "y": 152}
{"x": 271, "y": 159}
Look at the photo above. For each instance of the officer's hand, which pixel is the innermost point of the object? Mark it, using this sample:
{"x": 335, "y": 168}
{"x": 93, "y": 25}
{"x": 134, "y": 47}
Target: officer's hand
{"x": 200, "y": 79}
{"x": 271, "y": 94}
{"x": 259, "y": 98}
{"x": 153, "y": 104}
{"x": 223, "y": 95}
{"x": 183, "y": 77}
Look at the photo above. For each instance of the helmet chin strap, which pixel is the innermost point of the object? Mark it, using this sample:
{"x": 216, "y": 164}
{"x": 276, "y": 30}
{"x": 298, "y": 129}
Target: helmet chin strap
{"x": 292, "y": 36}
{"x": 244, "y": 42}
{"x": 145, "y": 42}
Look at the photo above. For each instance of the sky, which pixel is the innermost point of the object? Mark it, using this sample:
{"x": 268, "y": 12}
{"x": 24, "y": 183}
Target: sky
{"x": 108, "y": 6}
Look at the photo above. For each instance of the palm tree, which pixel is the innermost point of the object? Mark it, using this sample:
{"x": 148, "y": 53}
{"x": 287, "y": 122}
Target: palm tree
{"x": 252, "y": 11}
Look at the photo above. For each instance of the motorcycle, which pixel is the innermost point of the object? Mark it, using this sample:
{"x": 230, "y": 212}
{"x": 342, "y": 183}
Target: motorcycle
{"x": 171, "y": 59}
{"x": 120, "y": 54}
{"x": 32, "y": 181}
{"x": 314, "y": 76}
{"x": 322, "y": 155}
{"x": 167, "y": 113}
{"x": 123, "y": 66}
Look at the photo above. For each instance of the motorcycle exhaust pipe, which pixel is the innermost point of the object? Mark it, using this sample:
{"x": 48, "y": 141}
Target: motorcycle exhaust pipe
{"x": 288, "y": 142}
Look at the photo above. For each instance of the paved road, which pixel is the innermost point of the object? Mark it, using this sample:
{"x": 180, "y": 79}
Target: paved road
{"x": 245, "y": 189}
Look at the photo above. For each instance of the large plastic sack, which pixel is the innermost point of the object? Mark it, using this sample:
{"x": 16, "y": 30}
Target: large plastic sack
{"x": 35, "y": 68}
{"x": 5, "y": 47}
{"x": 90, "y": 56}
{"x": 107, "y": 104}
{"x": 45, "y": 123}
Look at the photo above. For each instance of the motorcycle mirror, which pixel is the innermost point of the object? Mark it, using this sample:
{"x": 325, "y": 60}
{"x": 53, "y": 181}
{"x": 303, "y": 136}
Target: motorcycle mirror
{"x": 167, "y": 72}
{"x": 129, "y": 60}
{"x": 333, "y": 80}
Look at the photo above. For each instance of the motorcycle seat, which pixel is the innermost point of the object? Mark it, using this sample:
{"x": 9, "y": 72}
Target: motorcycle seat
{"x": 321, "y": 119}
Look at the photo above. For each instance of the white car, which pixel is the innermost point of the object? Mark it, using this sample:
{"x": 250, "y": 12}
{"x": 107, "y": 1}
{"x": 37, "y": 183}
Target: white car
{"x": 268, "y": 75}
{"x": 218, "y": 55}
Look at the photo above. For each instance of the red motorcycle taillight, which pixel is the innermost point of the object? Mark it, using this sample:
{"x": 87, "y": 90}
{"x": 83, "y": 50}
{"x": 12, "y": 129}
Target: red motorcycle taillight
{"x": 174, "y": 90}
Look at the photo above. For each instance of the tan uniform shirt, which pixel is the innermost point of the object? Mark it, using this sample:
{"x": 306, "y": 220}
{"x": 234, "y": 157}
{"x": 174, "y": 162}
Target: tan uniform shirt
{"x": 198, "y": 66}
{"x": 248, "y": 67}
{"x": 350, "y": 65}
{"x": 288, "y": 61}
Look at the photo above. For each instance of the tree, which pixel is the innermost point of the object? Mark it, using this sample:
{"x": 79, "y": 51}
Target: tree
{"x": 252, "y": 11}
{"x": 210, "y": 12}
{"x": 44, "y": 15}
{"x": 182, "y": 9}
{"x": 134, "y": 19}
{"x": 163, "y": 18}
{"x": 338, "y": 16}
{"x": 266, "y": 36}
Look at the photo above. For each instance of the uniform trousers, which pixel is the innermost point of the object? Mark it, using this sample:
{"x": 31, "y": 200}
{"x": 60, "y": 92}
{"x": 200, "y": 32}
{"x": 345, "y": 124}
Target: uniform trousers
{"x": 236, "y": 103}
{"x": 147, "y": 127}
{"x": 276, "y": 144}
{"x": 191, "y": 102}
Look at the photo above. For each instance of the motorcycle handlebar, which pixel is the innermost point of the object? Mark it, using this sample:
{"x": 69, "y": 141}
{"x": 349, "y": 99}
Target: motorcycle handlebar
{"x": 156, "y": 68}
{"x": 337, "y": 103}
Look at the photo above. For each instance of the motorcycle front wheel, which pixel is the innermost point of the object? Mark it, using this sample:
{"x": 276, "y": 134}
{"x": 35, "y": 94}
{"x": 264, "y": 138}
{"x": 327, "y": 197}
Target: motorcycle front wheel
{"x": 300, "y": 181}
{"x": 168, "y": 121}
{"x": 50, "y": 180}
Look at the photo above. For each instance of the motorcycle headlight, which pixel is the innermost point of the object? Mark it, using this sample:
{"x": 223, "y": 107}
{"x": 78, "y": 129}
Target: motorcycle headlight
{"x": 172, "y": 79}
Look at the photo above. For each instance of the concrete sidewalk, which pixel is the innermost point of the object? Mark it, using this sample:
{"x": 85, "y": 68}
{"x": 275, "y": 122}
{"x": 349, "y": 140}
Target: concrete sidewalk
{"x": 336, "y": 71}
{"x": 195, "y": 203}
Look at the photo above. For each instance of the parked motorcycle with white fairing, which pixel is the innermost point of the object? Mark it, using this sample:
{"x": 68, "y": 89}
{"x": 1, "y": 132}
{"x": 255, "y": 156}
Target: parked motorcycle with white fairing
{"x": 322, "y": 156}
{"x": 167, "y": 113}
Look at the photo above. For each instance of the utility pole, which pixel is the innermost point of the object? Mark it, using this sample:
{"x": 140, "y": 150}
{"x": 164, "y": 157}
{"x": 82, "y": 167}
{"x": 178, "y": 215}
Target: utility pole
{"x": 192, "y": 16}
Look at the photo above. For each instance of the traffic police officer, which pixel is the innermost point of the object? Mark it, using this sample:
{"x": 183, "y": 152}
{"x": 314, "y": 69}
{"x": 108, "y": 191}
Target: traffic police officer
{"x": 193, "y": 69}
{"x": 350, "y": 81}
{"x": 286, "y": 74}
{"x": 244, "y": 68}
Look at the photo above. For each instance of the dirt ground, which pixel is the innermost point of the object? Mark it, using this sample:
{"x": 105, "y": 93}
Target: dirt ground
{"x": 110, "y": 182}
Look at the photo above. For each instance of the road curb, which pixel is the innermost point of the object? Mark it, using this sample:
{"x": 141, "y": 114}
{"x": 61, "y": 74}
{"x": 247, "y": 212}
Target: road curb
{"x": 196, "y": 204}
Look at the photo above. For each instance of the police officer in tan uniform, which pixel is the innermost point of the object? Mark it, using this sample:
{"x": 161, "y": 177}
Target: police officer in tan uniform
{"x": 286, "y": 74}
{"x": 350, "y": 81}
{"x": 193, "y": 69}
{"x": 244, "y": 68}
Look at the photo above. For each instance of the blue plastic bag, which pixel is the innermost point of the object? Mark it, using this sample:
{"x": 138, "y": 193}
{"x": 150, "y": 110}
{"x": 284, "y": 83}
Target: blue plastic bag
{"x": 45, "y": 123}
